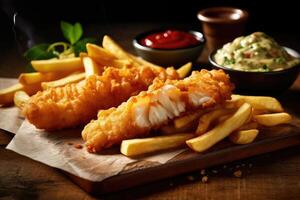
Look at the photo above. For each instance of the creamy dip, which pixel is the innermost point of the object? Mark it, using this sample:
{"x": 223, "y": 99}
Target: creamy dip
{"x": 257, "y": 52}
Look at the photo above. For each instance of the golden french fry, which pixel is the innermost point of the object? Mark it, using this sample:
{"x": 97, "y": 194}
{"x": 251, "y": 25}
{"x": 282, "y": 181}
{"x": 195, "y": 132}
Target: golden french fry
{"x": 243, "y": 136}
{"x": 206, "y": 119}
{"x": 73, "y": 78}
{"x": 136, "y": 147}
{"x": 90, "y": 67}
{"x": 57, "y": 65}
{"x": 171, "y": 129}
{"x": 184, "y": 70}
{"x": 115, "y": 49}
{"x": 222, "y": 130}
{"x": 21, "y": 98}
{"x": 247, "y": 126}
{"x": 260, "y": 102}
{"x": 141, "y": 61}
{"x": 38, "y": 77}
{"x": 187, "y": 119}
{"x": 222, "y": 118}
{"x": 231, "y": 104}
{"x": 98, "y": 53}
{"x": 259, "y": 112}
{"x": 7, "y": 94}
{"x": 272, "y": 119}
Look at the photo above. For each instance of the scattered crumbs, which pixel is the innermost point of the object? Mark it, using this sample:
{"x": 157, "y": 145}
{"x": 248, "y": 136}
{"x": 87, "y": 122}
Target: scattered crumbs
{"x": 224, "y": 166}
{"x": 243, "y": 165}
{"x": 78, "y": 146}
{"x": 250, "y": 165}
{"x": 202, "y": 172}
{"x": 204, "y": 179}
{"x": 237, "y": 166}
{"x": 190, "y": 178}
{"x": 214, "y": 171}
{"x": 70, "y": 143}
{"x": 238, "y": 173}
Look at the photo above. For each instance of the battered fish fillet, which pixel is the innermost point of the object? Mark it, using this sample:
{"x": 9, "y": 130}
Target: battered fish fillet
{"x": 77, "y": 104}
{"x": 151, "y": 109}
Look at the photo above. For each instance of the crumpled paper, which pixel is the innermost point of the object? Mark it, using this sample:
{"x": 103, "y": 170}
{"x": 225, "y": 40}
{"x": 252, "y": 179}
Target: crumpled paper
{"x": 10, "y": 118}
{"x": 58, "y": 149}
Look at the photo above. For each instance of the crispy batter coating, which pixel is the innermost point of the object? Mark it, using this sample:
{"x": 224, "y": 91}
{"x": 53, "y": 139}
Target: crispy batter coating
{"x": 76, "y": 104}
{"x": 163, "y": 101}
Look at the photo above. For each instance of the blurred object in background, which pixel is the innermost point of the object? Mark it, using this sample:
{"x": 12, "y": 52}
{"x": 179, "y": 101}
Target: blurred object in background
{"x": 221, "y": 25}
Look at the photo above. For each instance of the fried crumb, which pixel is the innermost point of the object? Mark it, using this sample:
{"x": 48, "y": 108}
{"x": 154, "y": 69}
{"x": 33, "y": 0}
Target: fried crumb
{"x": 215, "y": 171}
{"x": 250, "y": 165}
{"x": 190, "y": 178}
{"x": 171, "y": 184}
{"x": 237, "y": 166}
{"x": 238, "y": 173}
{"x": 204, "y": 179}
{"x": 70, "y": 143}
{"x": 224, "y": 166}
{"x": 78, "y": 146}
{"x": 202, "y": 172}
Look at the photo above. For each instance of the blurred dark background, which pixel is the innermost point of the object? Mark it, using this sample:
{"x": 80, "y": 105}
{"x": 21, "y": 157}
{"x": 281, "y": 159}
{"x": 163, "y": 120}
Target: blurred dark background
{"x": 121, "y": 19}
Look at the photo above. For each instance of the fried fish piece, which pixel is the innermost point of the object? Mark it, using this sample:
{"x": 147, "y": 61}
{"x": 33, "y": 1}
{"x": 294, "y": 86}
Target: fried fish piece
{"x": 76, "y": 104}
{"x": 164, "y": 101}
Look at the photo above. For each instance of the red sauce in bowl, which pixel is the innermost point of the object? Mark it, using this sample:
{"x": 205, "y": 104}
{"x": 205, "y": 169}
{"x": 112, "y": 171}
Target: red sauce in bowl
{"x": 170, "y": 39}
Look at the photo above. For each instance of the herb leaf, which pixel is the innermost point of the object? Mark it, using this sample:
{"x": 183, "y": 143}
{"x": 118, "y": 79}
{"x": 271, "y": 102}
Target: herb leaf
{"x": 71, "y": 32}
{"x": 228, "y": 61}
{"x": 39, "y": 52}
{"x": 80, "y": 46}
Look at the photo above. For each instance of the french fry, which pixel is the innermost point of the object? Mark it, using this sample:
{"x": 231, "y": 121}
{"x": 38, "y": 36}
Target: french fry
{"x": 57, "y": 65}
{"x": 110, "y": 45}
{"x": 206, "y": 119}
{"x": 184, "y": 70}
{"x": 73, "y": 78}
{"x": 90, "y": 67}
{"x": 260, "y": 103}
{"x": 171, "y": 129}
{"x": 21, "y": 98}
{"x": 187, "y": 119}
{"x": 222, "y": 118}
{"x": 222, "y": 130}
{"x": 7, "y": 94}
{"x": 38, "y": 77}
{"x": 244, "y": 136}
{"x": 141, "y": 61}
{"x": 98, "y": 53}
{"x": 247, "y": 126}
{"x": 136, "y": 147}
{"x": 272, "y": 119}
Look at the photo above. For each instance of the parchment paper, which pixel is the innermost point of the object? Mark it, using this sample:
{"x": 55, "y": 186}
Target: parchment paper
{"x": 57, "y": 149}
{"x": 10, "y": 118}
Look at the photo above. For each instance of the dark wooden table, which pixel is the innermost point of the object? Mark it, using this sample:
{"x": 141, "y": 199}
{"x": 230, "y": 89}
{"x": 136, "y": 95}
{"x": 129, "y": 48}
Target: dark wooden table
{"x": 274, "y": 175}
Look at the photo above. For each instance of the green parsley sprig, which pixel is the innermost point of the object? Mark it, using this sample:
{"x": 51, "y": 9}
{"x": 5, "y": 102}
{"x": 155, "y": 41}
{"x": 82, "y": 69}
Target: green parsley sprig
{"x": 74, "y": 45}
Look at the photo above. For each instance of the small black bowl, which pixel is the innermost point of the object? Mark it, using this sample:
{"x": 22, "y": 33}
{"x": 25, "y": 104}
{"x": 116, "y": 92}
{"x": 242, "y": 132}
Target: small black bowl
{"x": 169, "y": 57}
{"x": 261, "y": 82}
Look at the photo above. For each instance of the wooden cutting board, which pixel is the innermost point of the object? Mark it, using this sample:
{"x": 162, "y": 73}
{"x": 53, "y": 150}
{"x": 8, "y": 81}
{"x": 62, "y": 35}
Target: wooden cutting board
{"x": 269, "y": 139}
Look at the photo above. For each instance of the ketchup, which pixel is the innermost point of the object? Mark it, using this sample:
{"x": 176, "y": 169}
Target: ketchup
{"x": 170, "y": 39}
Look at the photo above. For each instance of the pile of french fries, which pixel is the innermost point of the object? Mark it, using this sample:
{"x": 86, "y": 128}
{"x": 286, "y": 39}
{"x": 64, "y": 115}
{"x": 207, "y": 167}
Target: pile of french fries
{"x": 59, "y": 72}
{"x": 239, "y": 119}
